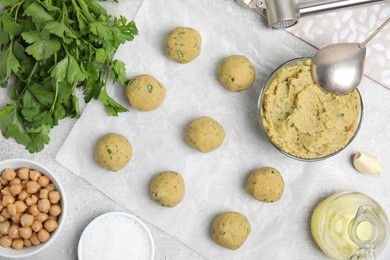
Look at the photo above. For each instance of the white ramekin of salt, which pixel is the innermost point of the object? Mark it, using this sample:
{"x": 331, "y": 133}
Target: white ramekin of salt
{"x": 116, "y": 235}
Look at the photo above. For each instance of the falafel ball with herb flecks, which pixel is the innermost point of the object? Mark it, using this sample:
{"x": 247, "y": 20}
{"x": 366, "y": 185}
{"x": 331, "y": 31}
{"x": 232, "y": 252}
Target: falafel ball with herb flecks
{"x": 145, "y": 93}
{"x": 265, "y": 184}
{"x": 184, "y": 44}
{"x": 236, "y": 73}
{"x": 113, "y": 152}
{"x": 230, "y": 230}
{"x": 167, "y": 188}
{"x": 205, "y": 134}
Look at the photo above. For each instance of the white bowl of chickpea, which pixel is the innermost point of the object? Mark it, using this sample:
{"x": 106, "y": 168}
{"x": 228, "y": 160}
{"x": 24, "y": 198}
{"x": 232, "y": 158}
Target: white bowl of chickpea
{"x": 32, "y": 207}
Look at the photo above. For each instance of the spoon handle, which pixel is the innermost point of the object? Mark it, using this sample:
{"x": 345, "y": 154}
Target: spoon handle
{"x": 363, "y": 44}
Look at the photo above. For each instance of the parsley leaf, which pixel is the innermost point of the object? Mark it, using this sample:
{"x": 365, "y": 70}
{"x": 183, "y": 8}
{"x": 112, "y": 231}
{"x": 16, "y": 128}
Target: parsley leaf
{"x": 9, "y": 25}
{"x": 45, "y": 97}
{"x": 42, "y": 45}
{"x": 31, "y": 106}
{"x": 100, "y": 55}
{"x": 112, "y": 107}
{"x": 118, "y": 72}
{"x": 68, "y": 69}
{"x": 8, "y": 64}
{"x": 61, "y": 30}
{"x": 11, "y": 124}
{"x": 38, "y": 141}
{"x": 38, "y": 14}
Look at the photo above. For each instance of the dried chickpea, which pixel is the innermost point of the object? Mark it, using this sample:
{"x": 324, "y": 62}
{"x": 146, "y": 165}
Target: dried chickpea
{"x": 34, "y": 175}
{"x": 44, "y": 205}
{"x": 5, "y": 213}
{"x": 23, "y": 173}
{"x": 31, "y": 200}
{"x": 43, "y": 235}
{"x": 43, "y": 181}
{"x": 52, "y": 218}
{"x": 44, "y": 194}
{"x": 3, "y": 182}
{"x": 23, "y": 195}
{"x": 5, "y": 191}
{"x": 25, "y": 232}
{"x": 17, "y": 244}
{"x": 36, "y": 226}
{"x": 32, "y": 187}
{"x": 16, "y": 218}
{"x": 50, "y": 225}
{"x": 55, "y": 210}
{"x": 11, "y": 208}
{"x": 13, "y": 232}
{"x": 51, "y": 187}
{"x": 1, "y": 206}
{"x": 15, "y": 181}
{"x": 4, "y": 227}
{"x": 34, "y": 239}
{"x": 7, "y": 199}
{"x": 27, "y": 242}
{"x": 15, "y": 189}
{"x": 2, "y": 219}
{"x": 8, "y": 174}
{"x": 20, "y": 206}
{"x": 41, "y": 217}
{"x": 6, "y": 241}
{"x": 33, "y": 210}
{"x": 26, "y": 220}
{"x": 24, "y": 182}
{"x": 35, "y": 198}
{"x": 54, "y": 196}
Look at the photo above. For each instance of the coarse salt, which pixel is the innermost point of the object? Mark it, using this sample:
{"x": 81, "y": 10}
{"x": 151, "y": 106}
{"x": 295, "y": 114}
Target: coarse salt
{"x": 115, "y": 236}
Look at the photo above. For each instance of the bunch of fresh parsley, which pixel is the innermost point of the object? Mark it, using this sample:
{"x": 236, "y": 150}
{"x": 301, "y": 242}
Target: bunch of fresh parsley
{"x": 48, "y": 48}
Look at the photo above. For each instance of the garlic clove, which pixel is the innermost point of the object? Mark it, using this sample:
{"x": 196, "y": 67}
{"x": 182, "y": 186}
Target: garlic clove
{"x": 367, "y": 164}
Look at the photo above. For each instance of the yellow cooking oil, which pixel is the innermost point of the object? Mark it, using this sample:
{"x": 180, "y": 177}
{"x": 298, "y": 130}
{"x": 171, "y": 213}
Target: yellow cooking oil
{"x": 333, "y": 221}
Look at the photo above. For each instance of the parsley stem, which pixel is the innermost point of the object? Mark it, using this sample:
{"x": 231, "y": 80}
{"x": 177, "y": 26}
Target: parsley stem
{"x": 17, "y": 6}
{"x": 84, "y": 10}
{"x": 64, "y": 11}
{"x": 90, "y": 52}
{"x": 55, "y": 100}
{"x": 107, "y": 72}
{"x": 28, "y": 80}
{"x": 77, "y": 10}
{"x": 32, "y": 72}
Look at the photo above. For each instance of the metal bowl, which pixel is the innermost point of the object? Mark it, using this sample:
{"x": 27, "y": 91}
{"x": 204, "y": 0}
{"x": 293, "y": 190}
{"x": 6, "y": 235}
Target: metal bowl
{"x": 259, "y": 113}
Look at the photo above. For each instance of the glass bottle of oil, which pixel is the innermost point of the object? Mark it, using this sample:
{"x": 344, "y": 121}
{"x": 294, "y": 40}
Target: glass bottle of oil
{"x": 350, "y": 225}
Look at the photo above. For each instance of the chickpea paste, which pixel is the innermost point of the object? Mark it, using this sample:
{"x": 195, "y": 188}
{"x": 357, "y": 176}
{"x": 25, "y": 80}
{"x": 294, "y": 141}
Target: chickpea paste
{"x": 302, "y": 119}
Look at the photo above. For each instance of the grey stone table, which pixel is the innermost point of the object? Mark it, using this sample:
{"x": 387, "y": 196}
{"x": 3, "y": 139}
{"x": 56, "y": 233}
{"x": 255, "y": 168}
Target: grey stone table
{"x": 85, "y": 202}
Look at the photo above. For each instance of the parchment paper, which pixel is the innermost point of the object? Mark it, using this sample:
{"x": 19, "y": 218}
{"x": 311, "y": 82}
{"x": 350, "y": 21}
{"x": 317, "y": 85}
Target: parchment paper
{"x": 215, "y": 182}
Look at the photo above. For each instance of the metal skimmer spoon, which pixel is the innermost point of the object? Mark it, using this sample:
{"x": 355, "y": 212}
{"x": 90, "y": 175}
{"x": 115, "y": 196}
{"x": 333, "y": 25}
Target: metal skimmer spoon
{"x": 338, "y": 68}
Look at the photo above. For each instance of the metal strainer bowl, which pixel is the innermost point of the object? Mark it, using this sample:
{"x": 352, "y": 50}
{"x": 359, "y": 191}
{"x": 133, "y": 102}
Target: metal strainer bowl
{"x": 260, "y": 113}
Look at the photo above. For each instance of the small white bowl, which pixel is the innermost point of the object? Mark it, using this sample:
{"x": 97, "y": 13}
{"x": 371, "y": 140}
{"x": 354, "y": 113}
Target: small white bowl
{"x": 92, "y": 238}
{"x": 29, "y": 251}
